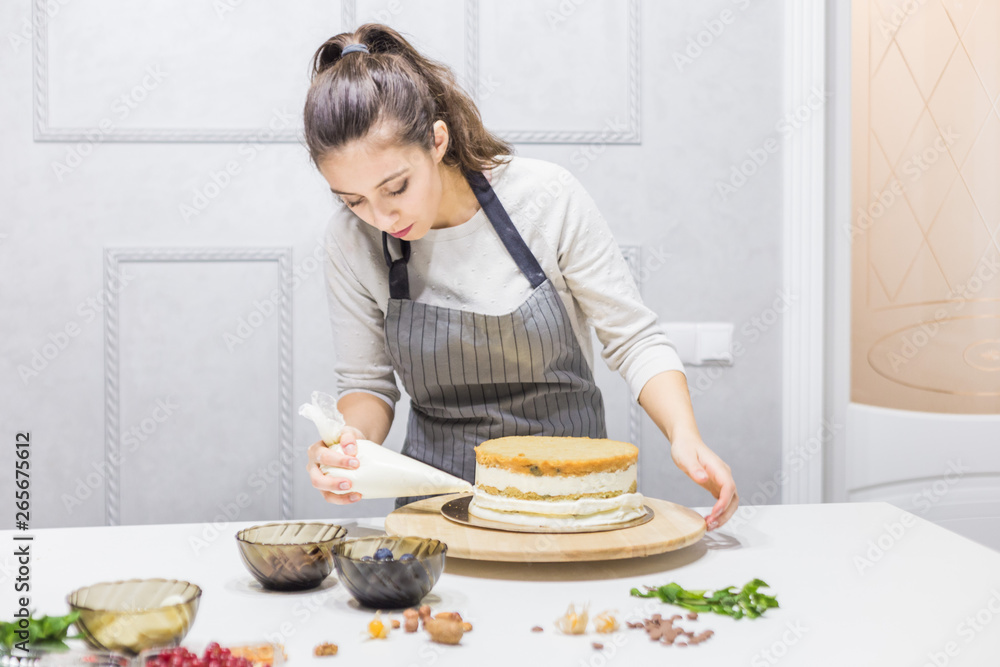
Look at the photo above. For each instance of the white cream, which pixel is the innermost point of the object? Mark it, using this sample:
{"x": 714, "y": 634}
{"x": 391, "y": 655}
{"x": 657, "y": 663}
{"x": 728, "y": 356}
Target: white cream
{"x": 561, "y": 485}
{"x": 560, "y": 513}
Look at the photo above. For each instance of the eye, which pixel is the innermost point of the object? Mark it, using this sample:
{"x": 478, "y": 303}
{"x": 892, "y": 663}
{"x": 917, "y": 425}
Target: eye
{"x": 401, "y": 190}
{"x": 352, "y": 204}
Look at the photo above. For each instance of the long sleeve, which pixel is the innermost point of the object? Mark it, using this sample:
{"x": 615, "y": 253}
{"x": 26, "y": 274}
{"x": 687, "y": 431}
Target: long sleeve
{"x": 598, "y": 276}
{"x": 363, "y": 363}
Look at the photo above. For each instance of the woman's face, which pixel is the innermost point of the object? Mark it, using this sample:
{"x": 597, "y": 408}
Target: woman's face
{"x": 396, "y": 189}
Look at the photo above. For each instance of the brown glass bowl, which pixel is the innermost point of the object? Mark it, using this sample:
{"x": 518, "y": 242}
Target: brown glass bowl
{"x": 389, "y": 584}
{"x": 289, "y": 556}
{"x": 135, "y": 615}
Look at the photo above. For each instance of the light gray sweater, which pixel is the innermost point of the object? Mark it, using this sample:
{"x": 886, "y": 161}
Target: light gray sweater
{"x": 467, "y": 267}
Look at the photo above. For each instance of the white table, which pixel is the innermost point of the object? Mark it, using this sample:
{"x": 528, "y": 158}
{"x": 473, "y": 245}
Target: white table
{"x": 859, "y": 584}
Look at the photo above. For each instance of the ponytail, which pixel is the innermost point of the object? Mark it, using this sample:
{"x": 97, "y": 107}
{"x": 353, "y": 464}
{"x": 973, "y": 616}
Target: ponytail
{"x": 392, "y": 87}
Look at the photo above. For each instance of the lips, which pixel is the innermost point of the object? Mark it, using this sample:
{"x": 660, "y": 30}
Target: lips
{"x": 401, "y": 233}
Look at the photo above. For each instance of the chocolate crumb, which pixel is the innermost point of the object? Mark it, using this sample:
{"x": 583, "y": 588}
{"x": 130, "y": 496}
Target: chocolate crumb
{"x": 663, "y": 630}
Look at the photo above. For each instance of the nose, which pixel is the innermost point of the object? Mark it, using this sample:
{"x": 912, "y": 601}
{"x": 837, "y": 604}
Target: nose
{"x": 384, "y": 219}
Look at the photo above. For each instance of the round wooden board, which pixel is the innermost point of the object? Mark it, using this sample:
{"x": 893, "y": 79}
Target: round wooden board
{"x": 672, "y": 527}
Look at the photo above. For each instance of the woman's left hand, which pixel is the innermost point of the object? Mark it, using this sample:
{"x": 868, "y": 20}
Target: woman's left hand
{"x": 711, "y": 473}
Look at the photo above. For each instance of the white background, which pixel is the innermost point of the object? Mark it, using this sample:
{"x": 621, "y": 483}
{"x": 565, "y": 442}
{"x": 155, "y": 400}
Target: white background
{"x": 547, "y": 71}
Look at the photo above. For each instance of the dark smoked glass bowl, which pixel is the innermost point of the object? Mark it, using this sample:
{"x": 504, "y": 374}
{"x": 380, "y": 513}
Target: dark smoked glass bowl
{"x": 289, "y": 556}
{"x": 135, "y": 615}
{"x": 391, "y": 584}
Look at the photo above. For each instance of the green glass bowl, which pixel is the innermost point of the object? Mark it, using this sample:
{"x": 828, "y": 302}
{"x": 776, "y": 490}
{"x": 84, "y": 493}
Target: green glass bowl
{"x": 135, "y": 615}
{"x": 289, "y": 556}
{"x": 391, "y": 584}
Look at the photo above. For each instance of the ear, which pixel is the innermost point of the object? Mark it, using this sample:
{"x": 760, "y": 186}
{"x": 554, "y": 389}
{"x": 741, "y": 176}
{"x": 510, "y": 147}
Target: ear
{"x": 440, "y": 140}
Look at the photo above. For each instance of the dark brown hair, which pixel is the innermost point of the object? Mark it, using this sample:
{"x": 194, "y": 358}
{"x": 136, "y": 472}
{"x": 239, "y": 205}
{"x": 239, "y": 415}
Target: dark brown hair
{"x": 395, "y": 89}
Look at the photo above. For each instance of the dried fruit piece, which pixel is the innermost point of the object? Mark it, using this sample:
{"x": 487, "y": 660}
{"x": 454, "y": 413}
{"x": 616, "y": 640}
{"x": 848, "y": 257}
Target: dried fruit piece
{"x": 573, "y": 622}
{"x": 605, "y": 622}
{"x": 376, "y": 628}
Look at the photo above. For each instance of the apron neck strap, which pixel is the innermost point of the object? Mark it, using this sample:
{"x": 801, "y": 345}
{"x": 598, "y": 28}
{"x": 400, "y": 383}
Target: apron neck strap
{"x": 505, "y": 229}
{"x": 399, "y": 280}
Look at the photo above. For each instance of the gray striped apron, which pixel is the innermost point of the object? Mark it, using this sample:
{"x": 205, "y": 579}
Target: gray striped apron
{"x": 472, "y": 377}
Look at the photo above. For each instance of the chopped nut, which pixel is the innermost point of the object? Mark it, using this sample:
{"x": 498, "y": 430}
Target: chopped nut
{"x": 597, "y": 645}
{"x": 466, "y": 626}
{"x": 693, "y": 616}
{"x": 443, "y": 630}
{"x": 538, "y": 628}
{"x": 411, "y": 623}
{"x": 395, "y": 624}
{"x": 326, "y": 648}
{"x": 424, "y": 612}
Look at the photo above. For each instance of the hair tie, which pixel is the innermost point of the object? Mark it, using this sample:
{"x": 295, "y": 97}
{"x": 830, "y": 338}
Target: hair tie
{"x": 353, "y": 48}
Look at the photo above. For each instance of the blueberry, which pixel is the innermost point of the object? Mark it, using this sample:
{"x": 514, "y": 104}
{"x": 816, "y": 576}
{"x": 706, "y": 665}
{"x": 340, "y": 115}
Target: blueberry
{"x": 366, "y": 559}
{"x": 407, "y": 557}
{"x": 383, "y": 554}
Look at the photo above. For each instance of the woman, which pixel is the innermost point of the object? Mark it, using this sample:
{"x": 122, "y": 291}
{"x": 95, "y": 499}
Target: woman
{"x": 481, "y": 300}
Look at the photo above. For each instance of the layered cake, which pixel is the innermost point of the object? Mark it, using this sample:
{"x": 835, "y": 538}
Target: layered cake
{"x": 556, "y": 482}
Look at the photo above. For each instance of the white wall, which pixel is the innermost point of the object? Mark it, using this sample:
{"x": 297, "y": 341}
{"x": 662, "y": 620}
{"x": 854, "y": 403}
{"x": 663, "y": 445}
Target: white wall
{"x": 90, "y": 184}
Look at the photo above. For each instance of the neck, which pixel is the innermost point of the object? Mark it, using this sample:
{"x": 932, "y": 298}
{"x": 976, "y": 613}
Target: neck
{"x": 458, "y": 202}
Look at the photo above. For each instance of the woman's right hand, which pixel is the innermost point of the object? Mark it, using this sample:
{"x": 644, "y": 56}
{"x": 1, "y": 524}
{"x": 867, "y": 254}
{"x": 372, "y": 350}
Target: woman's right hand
{"x": 320, "y": 454}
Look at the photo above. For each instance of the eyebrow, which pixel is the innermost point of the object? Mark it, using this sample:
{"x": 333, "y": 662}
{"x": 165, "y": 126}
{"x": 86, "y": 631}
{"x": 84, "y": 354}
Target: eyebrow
{"x": 384, "y": 181}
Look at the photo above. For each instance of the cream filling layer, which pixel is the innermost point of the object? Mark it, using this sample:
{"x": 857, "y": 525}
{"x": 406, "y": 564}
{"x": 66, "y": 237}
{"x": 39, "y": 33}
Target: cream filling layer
{"x": 559, "y": 513}
{"x": 562, "y": 485}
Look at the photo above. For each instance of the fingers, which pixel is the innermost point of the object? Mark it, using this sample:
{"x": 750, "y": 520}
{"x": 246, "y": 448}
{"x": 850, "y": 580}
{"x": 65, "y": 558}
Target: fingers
{"x": 339, "y": 457}
{"x": 325, "y": 482}
{"x": 341, "y": 498}
{"x": 334, "y": 489}
{"x": 336, "y": 459}
{"x": 711, "y": 473}
{"x": 688, "y": 462}
{"x": 725, "y": 507}
{"x": 348, "y": 439}
{"x": 733, "y": 506}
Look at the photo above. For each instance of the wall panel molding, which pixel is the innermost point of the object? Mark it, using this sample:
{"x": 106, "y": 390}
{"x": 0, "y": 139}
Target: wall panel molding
{"x": 44, "y": 131}
{"x": 114, "y": 258}
{"x": 471, "y": 82}
{"x": 803, "y": 232}
{"x": 631, "y": 134}
{"x": 633, "y": 257}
